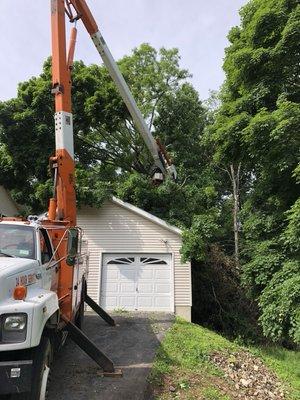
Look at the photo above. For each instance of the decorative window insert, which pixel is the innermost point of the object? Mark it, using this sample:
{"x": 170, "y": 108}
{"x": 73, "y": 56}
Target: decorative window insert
{"x": 152, "y": 260}
{"x": 122, "y": 260}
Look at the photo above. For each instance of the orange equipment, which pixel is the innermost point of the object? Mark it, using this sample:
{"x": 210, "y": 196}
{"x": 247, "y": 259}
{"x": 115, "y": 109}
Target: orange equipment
{"x": 62, "y": 206}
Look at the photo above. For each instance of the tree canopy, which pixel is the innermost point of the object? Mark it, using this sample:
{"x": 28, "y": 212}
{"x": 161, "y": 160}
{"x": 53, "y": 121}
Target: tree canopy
{"x": 107, "y": 146}
{"x": 258, "y": 126}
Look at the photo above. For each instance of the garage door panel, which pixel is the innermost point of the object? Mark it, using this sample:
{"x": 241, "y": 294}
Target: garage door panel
{"x": 109, "y": 301}
{"x": 137, "y": 282}
{"x": 162, "y": 273}
{"x": 163, "y": 288}
{"x": 162, "y": 302}
{"x": 146, "y": 273}
{"x": 112, "y": 287}
{"x": 144, "y": 302}
{"x": 112, "y": 274}
{"x": 145, "y": 288}
{"x": 127, "y": 302}
{"x": 127, "y": 287}
{"x": 127, "y": 274}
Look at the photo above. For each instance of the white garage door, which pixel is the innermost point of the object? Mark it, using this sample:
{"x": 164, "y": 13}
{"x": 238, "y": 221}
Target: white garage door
{"x": 137, "y": 282}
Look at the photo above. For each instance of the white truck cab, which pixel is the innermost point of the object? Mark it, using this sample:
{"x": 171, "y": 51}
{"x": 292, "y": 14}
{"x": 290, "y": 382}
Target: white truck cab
{"x": 27, "y": 260}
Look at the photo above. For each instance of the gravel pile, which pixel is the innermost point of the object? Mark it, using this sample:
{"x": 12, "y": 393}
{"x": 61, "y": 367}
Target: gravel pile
{"x": 251, "y": 378}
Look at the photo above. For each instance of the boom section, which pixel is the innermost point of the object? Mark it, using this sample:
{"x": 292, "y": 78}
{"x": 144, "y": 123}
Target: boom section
{"x": 62, "y": 207}
{"x": 64, "y": 200}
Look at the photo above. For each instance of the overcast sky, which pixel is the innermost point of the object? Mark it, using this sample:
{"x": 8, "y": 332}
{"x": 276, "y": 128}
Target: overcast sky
{"x": 197, "y": 27}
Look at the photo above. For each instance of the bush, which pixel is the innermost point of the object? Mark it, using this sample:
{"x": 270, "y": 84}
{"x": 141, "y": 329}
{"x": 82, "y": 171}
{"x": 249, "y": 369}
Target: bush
{"x": 219, "y": 301}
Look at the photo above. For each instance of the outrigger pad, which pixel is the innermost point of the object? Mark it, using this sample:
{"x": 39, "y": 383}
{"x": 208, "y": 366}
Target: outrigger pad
{"x": 117, "y": 374}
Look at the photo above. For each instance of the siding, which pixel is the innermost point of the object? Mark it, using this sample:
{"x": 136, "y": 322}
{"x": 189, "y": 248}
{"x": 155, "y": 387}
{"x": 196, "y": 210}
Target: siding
{"x": 7, "y": 205}
{"x": 115, "y": 229}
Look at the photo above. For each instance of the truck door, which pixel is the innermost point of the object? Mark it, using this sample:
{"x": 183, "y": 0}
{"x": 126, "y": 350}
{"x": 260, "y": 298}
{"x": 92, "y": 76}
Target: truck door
{"x": 81, "y": 268}
{"x": 49, "y": 263}
{"x": 78, "y": 265}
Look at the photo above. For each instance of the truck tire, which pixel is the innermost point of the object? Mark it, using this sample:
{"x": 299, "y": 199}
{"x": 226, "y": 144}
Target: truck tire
{"x": 41, "y": 370}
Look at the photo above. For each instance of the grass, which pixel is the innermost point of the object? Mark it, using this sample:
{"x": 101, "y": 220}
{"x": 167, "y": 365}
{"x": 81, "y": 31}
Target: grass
{"x": 182, "y": 368}
{"x": 120, "y": 311}
{"x": 211, "y": 393}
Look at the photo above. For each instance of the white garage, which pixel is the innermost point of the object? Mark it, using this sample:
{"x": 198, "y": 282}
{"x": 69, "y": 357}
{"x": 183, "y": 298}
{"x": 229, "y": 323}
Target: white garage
{"x": 135, "y": 262}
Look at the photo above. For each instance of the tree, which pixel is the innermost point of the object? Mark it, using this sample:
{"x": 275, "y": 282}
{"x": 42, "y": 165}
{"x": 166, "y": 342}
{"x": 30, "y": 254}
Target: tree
{"x": 107, "y": 145}
{"x": 257, "y": 126}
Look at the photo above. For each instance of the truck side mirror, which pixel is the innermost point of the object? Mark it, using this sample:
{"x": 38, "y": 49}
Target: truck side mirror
{"x": 72, "y": 246}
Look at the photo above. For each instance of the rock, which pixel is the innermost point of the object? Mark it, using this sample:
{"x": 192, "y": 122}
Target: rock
{"x": 172, "y": 389}
{"x": 245, "y": 382}
{"x": 251, "y": 378}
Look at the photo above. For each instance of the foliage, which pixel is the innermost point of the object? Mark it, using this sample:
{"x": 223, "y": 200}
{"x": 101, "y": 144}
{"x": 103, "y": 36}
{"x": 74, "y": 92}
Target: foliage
{"x": 199, "y": 236}
{"x": 107, "y": 146}
{"x": 219, "y": 301}
{"x": 257, "y": 125}
{"x": 291, "y": 234}
{"x": 280, "y": 303}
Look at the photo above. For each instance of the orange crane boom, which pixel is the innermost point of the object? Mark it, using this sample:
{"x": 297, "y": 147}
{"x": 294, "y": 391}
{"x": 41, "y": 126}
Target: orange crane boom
{"x": 62, "y": 206}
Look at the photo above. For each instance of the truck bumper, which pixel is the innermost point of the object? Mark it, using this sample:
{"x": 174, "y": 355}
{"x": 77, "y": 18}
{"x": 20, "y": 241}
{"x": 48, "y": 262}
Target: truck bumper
{"x": 15, "y": 376}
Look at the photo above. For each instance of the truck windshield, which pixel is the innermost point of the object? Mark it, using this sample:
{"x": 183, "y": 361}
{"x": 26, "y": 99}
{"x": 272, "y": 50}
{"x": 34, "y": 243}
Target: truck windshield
{"x": 17, "y": 241}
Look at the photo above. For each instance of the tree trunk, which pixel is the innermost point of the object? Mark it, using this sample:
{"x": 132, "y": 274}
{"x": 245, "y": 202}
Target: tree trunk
{"x": 235, "y": 180}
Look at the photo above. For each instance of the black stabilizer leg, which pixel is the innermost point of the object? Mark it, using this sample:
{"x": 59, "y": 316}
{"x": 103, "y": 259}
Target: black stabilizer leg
{"x": 92, "y": 350}
{"x": 103, "y": 314}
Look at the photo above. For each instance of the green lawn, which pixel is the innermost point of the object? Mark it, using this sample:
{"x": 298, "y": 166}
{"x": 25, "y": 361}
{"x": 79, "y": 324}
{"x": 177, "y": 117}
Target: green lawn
{"x": 183, "y": 370}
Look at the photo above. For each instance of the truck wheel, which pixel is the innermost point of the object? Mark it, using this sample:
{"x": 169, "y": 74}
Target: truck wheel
{"x": 41, "y": 370}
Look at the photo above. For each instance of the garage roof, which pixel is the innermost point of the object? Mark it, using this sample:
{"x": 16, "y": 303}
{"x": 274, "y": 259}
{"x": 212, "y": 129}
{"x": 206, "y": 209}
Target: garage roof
{"x": 146, "y": 215}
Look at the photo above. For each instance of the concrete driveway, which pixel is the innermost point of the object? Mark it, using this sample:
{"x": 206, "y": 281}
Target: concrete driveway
{"x": 131, "y": 344}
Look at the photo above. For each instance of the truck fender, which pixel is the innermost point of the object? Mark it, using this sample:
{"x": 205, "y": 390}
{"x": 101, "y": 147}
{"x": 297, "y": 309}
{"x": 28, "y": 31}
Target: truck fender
{"x": 53, "y": 321}
{"x": 45, "y": 315}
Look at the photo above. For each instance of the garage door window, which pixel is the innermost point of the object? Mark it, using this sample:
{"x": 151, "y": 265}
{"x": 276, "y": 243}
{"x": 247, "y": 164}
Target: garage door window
{"x": 149, "y": 260}
{"x": 122, "y": 260}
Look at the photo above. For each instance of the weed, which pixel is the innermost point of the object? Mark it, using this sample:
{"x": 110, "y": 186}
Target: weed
{"x": 211, "y": 393}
